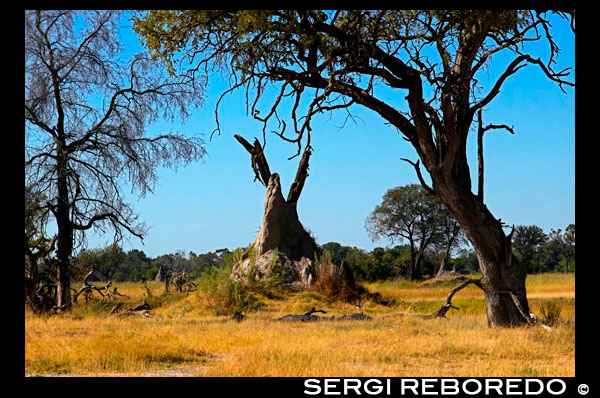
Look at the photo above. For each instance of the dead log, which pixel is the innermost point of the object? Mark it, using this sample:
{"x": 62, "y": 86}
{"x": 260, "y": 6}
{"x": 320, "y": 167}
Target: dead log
{"x": 531, "y": 318}
{"x": 358, "y": 316}
{"x": 141, "y": 309}
{"x": 87, "y": 288}
{"x": 115, "y": 308}
{"x": 116, "y": 293}
{"x": 306, "y": 317}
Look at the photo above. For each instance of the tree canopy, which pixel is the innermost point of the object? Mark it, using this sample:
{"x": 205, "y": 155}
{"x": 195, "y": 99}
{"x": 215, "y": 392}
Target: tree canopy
{"x": 436, "y": 62}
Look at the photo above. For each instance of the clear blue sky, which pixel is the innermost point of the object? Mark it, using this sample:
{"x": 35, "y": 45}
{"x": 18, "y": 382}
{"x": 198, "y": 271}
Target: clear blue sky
{"x": 212, "y": 204}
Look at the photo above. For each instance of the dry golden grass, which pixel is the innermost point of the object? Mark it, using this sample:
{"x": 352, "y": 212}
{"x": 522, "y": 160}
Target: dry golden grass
{"x": 184, "y": 339}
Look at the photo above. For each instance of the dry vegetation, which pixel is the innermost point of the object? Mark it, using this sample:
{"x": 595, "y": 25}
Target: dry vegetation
{"x": 185, "y": 338}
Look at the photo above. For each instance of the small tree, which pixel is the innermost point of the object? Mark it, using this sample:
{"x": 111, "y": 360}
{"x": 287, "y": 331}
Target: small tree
{"x": 568, "y": 246}
{"x": 86, "y": 114}
{"x": 527, "y": 244}
{"x": 449, "y": 238}
{"x": 410, "y": 213}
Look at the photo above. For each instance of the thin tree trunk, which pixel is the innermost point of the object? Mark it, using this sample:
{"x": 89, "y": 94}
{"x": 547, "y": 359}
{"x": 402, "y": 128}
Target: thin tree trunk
{"x": 65, "y": 235}
{"x": 442, "y": 264}
{"x": 31, "y": 281}
{"x": 415, "y": 271}
{"x": 446, "y": 254}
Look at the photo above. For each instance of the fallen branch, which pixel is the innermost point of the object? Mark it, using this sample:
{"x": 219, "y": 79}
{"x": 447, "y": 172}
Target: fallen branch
{"x": 531, "y": 318}
{"x": 306, "y": 317}
{"x": 441, "y": 313}
{"x": 87, "y": 288}
{"x": 115, "y": 308}
{"x": 119, "y": 294}
{"x": 140, "y": 309}
{"x": 359, "y": 316}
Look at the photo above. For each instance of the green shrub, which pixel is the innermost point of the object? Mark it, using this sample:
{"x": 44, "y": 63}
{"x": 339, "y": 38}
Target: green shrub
{"x": 226, "y": 295}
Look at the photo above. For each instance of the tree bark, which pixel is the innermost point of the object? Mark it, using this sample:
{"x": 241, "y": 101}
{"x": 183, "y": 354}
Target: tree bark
{"x": 446, "y": 254}
{"x": 503, "y": 278}
{"x": 415, "y": 267}
{"x": 65, "y": 232}
{"x": 31, "y": 271}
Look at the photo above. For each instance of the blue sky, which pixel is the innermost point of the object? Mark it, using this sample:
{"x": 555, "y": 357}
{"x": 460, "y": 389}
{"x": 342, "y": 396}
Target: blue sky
{"x": 214, "y": 203}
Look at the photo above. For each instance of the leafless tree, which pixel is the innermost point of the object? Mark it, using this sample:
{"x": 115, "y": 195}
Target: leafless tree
{"x": 86, "y": 115}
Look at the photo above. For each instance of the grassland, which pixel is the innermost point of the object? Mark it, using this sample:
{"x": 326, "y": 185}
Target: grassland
{"x": 185, "y": 339}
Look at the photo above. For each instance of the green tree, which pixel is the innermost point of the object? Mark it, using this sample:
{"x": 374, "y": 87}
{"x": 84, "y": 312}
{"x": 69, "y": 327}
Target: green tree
{"x": 86, "y": 113}
{"x": 322, "y": 61}
{"x": 412, "y": 214}
{"x": 527, "y": 243}
{"x": 105, "y": 262}
{"x": 568, "y": 246}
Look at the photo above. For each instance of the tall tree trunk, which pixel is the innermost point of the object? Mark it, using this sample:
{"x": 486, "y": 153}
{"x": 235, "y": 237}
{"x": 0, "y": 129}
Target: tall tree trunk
{"x": 31, "y": 271}
{"x": 31, "y": 281}
{"x": 503, "y": 276}
{"x": 446, "y": 254}
{"x": 65, "y": 235}
{"x": 442, "y": 263}
{"x": 415, "y": 267}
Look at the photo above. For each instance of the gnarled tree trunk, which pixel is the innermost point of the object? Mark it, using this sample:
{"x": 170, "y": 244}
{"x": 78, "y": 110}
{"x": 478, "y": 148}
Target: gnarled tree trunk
{"x": 31, "y": 271}
{"x": 503, "y": 276}
{"x": 281, "y": 230}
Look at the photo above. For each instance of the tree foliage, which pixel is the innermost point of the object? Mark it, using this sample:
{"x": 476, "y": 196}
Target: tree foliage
{"x": 409, "y": 213}
{"x": 436, "y": 61}
{"x": 541, "y": 252}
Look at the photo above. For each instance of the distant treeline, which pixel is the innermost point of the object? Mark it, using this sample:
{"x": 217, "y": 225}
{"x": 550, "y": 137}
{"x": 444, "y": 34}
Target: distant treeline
{"x": 538, "y": 251}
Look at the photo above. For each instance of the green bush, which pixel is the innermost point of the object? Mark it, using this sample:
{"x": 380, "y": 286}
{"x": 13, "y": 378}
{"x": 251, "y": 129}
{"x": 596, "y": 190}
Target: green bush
{"x": 226, "y": 295}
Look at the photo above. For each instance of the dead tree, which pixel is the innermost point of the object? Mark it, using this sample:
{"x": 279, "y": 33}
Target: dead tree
{"x": 281, "y": 229}
{"x": 160, "y": 276}
{"x": 148, "y": 291}
{"x": 88, "y": 288}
